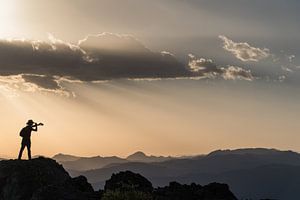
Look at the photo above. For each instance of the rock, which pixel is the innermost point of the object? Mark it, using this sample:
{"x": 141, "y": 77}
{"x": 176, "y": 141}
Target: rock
{"x": 40, "y": 178}
{"x": 128, "y": 181}
{"x": 76, "y": 189}
{"x": 45, "y": 179}
{"x": 177, "y": 191}
{"x": 217, "y": 191}
{"x": 131, "y": 186}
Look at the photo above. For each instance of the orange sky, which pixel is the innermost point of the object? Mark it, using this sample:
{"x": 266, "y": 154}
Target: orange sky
{"x": 159, "y": 117}
{"x": 163, "y": 116}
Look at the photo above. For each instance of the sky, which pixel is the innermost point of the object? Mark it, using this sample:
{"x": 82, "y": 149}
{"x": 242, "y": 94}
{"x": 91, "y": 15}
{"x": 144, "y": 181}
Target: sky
{"x": 167, "y": 77}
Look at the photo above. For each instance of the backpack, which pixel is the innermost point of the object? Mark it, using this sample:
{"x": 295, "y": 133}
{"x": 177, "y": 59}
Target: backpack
{"x": 23, "y": 132}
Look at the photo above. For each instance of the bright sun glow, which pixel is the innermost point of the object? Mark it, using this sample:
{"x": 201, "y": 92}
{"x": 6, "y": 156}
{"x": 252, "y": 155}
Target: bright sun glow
{"x": 7, "y": 18}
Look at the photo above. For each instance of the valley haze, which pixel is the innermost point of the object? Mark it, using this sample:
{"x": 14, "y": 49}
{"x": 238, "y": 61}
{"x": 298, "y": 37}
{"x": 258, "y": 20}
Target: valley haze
{"x": 254, "y": 173}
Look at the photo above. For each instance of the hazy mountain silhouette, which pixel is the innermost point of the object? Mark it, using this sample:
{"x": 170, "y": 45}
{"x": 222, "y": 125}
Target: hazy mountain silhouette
{"x": 74, "y": 163}
{"x": 142, "y": 157}
{"x": 88, "y": 163}
{"x": 256, "y": 151}
{"x": 265, "y": 182}
{"x": 251, "y": 173}
{"x": 65, "y": 157}
{"x": 44, "y": 179}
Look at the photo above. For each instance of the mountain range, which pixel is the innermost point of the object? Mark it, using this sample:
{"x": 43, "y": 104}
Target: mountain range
{"x": 44, "y": 179}
{"x": 256, "y": 173}
{"x": 75, "y": 163}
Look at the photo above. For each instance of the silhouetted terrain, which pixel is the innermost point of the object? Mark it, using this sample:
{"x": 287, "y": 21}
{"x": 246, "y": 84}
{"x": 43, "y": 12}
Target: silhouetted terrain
{"x": 251, "y": 173}
{"x": 41, "y": 179}
{"x": 74, "y": 163}
{"x": 44, "y": 179}
{"x": 142, "y": 157}
{"x": 65, "y": 158}
{"x": 130, "y": 186}
{"x": 83, "y": 164}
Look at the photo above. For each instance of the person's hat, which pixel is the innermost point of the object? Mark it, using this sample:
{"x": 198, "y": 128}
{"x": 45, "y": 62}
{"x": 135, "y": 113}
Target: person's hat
{"x": 30, "y": 122}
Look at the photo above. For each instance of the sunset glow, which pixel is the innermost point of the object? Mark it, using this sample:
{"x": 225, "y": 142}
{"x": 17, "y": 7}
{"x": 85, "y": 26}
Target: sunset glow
{"x": 167, "y": 77}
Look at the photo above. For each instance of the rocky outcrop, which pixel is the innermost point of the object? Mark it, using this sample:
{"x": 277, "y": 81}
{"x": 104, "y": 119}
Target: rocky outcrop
{"x": 41, "y": 179}
{"x": 127, "y": 181}
{"x": 177, "y": 191}
{"x": 45, "y": 179}
{"x": 76, "y": 189}
{"x": 130, "y": 186}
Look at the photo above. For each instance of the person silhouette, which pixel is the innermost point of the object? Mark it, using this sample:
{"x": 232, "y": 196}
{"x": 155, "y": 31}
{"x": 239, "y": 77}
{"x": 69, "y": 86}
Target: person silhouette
{"x": 26, "y": 134}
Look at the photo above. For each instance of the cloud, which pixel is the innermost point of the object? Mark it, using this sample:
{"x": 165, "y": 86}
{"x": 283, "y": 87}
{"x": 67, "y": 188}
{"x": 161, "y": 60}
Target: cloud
{"x": 210, "y": 70}
{"x": 97, "y": 57}
{"x": 287, "y": 69}
{"x": 10, "y": 85}
{"x": 35, "y": 65}
{"x": 234, "y": 73}
{"x": 201, "y": 65}
{"x": 243, "y": 51}
{"x": 291, "y": 58}
{"x": 43, "y": 81}
{"x": 282, "y": 78}
{"x": 110, "y": 42}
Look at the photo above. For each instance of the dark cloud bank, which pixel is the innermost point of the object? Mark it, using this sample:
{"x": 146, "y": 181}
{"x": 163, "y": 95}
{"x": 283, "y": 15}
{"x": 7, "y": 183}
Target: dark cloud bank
{"x": 99, "y": 57}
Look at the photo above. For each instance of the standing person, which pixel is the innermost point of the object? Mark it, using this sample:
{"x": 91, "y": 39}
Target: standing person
{"x": 26, "y": 134}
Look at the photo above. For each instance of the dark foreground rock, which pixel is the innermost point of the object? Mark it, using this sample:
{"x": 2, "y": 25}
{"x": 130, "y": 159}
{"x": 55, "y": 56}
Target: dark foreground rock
{"x": 75, "y": 188}
{"x": 44, "y": 179}
{"x": 130, "y": 186}
{"x": 177, "y": 191}
{"x": 128, "y": 181}
{"x": 41, "y": 179}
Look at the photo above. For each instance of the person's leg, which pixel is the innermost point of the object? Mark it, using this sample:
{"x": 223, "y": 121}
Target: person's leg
{"x": 21, "y": 151}
{"x": 29, "y": 151}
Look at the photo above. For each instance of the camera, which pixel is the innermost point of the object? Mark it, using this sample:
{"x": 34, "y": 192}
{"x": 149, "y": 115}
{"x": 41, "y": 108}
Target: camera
{"x": 37, "y": 124}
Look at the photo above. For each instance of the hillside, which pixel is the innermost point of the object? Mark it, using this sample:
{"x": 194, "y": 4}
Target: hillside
{"x": 65, "y": 157}
{"x": 44, "y": 179}
{"x": 89, "y": 163}
{"x": 251, "y": 173}
{"x": 41, "y": 179}
{"x": 74, "y": 163}
{"x": 142, "y": 157}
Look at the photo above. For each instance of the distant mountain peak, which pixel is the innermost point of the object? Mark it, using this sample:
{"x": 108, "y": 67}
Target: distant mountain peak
{"x": 60, "y": 157}
{"x": 140, "y": 156}
{"x": 137, "y": 155}
{"x": 254, "y": 151}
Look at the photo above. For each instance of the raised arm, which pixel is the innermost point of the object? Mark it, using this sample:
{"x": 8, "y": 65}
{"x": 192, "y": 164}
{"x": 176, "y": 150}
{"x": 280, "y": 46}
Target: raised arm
{"x": 34, "y": 127}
